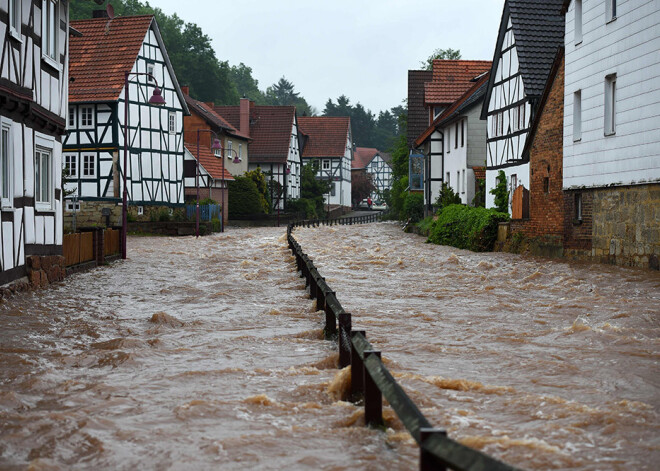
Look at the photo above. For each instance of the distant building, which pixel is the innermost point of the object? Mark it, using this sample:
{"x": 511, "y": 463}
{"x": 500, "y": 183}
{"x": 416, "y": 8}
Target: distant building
{"x": 94, "y": 146}
{"x": 329, "y": 142}
{"x": 377, "y": 165}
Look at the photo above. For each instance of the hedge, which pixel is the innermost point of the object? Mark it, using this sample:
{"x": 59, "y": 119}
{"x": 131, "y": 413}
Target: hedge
{"x": 244, "y": 197}
{"x": 466, "y": 227}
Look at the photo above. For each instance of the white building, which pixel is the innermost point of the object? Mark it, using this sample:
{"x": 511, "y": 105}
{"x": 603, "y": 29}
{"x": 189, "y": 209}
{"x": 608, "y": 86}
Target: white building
{"x": 94, "y": 146}
{"x": 328, "y": 141}
{"x": 376, "y": 164}
{"x": 33, "y": 103}
{"x": 529, "y": 35}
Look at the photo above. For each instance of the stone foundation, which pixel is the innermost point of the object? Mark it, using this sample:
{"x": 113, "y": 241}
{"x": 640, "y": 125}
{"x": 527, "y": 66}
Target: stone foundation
{"x": 91, "y": 214}
{"x": 44, "y": 270}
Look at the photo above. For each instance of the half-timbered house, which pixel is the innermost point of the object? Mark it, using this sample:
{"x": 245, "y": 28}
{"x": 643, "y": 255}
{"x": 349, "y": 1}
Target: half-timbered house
{"x": 33, "y": 107}
{"x": 274, "y": 145}
{"x": 328, "y": 142}
{"x": 530, "y": 33}
{"x": 94, "y": 146}
{"x": 376, "y": 164}
{"x": 611, "y": 144}
{"x": 455, "y": 144}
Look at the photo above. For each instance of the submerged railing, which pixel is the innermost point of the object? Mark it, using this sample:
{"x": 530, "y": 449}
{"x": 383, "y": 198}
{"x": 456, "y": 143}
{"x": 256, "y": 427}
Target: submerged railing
{"x": 371, "y": 380}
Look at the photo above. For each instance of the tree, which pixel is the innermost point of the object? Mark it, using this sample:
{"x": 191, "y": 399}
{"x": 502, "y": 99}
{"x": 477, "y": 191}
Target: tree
{"x": 362, "y": 186}
{"x": 501, "y": 193}
{"x": 452, "y": 54}
{"x": 446, "y": 197}
{"x": 283, "y": 93}
{"x": 246, "y": 85}
{"x": 314, "y": 189}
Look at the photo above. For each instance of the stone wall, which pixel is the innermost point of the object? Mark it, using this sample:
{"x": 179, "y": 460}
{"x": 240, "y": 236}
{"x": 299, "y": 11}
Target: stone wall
{"x": 46, "y": 269}
{"x": 91, "y": 214}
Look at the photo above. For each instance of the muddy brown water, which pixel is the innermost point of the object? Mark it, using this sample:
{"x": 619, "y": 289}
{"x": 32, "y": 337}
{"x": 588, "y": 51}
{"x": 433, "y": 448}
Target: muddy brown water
{"x": 207, "y": 354}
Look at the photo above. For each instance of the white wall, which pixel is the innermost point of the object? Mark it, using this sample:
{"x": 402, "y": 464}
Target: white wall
{"x": 628, "y": 46}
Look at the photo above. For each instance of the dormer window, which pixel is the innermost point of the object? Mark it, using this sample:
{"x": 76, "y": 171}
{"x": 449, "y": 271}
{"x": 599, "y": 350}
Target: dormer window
{"x": 49, "y": 29}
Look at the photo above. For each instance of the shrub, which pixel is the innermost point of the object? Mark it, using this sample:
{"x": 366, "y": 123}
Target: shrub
{"x": 261, "y": 184}
{"x": 479, "y": 199}
{"x": 446, "y": 197}
{"x": 244, "y": 198}
{"x": 216, "y": 225}
{"x": 413, "y": 207}
{"x": 467, "y": 228}
{"x": 303, "y": 206}
{"x": 162, "y": 215}
{"x": 208, "y": 201}
{"x": 501, "y": 193}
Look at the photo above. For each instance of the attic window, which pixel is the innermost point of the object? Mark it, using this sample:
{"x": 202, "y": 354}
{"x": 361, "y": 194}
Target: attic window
{"x": 150, "y": 70}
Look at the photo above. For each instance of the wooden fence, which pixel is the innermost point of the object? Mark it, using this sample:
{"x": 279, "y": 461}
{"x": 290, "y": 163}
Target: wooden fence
{"x": 371, "y": 380}
{"x": 81, "y": 247}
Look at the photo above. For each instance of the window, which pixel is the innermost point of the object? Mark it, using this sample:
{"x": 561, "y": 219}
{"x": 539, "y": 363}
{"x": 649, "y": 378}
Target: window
{"x": 521, "y": 117}
{"x": 578, "y": 206}
{"x": 577, "y": 115}
{"x": 72, "y": 206}
{"x": 610, "y": 7}
{"x": 88, "y": 165}
{"x": 150, "y": 70}
{"x": 515, "y": 118}
{"x": 546, "y": 184}
{"x": 437, "y": 111}
{"x": 610, "y": 104}
{"x": 15, "y": 18}
{"x": 43, "y": 182}
{"x": 325, "y": 165}
{"x": 171, "y": 126}
{"x": 333, "y": 189}
{"x": 464, "y": 181}
{"x": 140, "y": 210}
{"x": 500, "y": 129}
{"x": 462, "y": 133}
{"x": 456, "y": 136}
{"x": 86, "y": 117}
{"x": 578, "y": 21}
{"x": 6, "y": 166}
{"x": 71, "y": 165}
{"x": 72, "y": 116}
{"x": 240, "y": 151}
{"x": 514, "y": 183}
{"x": 448, "y": 179}
{"x": 49, "y": 29}
{"x": 230, "y": 149}
{"x": 448, "y": 140}
{"x": 458, "y": 181}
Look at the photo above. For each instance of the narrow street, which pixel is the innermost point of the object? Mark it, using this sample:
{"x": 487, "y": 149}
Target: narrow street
{"x": 207, "y": 354}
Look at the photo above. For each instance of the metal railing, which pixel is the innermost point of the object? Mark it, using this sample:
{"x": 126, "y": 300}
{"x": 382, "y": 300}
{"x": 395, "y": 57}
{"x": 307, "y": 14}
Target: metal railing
{"x": 371, "y": 380}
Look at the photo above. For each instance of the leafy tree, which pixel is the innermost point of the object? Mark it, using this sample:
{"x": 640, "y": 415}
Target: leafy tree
{"x": 453, "y": 54}
{"x": 259, "y": 179}
{"x": 246, "y": 85}
{"x": 244, "y": 197}
{"x": 314, "y": 189}
{"x": 362, "y": 186}
{"x": 400, "y": 157}
{"x": 501, "y": 193}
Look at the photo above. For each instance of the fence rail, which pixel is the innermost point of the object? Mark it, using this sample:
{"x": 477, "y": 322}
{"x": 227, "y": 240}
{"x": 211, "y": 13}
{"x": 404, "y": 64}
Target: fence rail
{"x": 206, "y": 211}
{"x": 370, "y": 378}
{"x": 89, "y": 246}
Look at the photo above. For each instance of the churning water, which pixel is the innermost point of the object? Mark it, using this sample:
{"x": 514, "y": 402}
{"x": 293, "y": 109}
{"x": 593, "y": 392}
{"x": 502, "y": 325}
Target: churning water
{"x": 207, "y": 354}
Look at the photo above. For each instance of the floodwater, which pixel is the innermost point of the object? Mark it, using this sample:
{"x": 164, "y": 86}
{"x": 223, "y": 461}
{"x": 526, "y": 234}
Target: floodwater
{"x": 207, "y": 354}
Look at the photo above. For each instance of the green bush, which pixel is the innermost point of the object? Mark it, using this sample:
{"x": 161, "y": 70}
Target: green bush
{"x": 446, "y": 197}
{"x": 244, "y": 198}
{"x": 216, "y": 225}
{"x": 501, "y": 193}
{"x": 467, "y": 228}
{"x": 206, "y": 201}
{"x": 305, "y": 207}
{"x": 162, "y": 215}
{"x": 413, "y": 207}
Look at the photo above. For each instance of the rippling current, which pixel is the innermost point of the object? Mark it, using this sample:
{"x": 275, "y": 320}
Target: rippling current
{"x": 207, "y": 354}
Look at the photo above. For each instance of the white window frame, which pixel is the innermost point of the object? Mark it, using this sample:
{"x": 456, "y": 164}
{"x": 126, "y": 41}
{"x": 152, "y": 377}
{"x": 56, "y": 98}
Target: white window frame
{"x": 150, "y": 70}
{"x": 68, "y": 159}
{"x": 325, "y": 164}
{"x": 6, "y": 165}
{"x": 610, "y": 10}
{"x": 577, "y": 116}
{"x": 70, "y": 206}
{"x": 240, "y": 151}
{"x": 44, "y": 198}
{"x": 49, "y": 38}
{"x": 577, "y": 27}
{"x": 84, "y": 158}
{"x": 464, "y": 184}
{"x": 230, "y": 146}
{"x": 610, "y": 105}
{"x": 92, "y": 120}
{"x": 171, "y": 122}
{"x": 15, "y": 19}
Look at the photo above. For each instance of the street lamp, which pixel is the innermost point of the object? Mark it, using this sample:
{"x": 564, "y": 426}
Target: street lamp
{"x": 235, "y": 160}
{"x": 157, "y": 100}
{"x": 215, "y": 146}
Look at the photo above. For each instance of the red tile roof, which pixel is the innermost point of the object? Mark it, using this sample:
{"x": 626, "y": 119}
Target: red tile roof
{"x": 451, "y": 78}
{"x": 207, "y": 114}
{"x": 99, "y": 58}
{"x": 209, "y": 161}
{"x": 327, "y": 136}
{"x": 475, "y": 87}
{"x": 362, "y": 156}
{"x": 270, "y": 130}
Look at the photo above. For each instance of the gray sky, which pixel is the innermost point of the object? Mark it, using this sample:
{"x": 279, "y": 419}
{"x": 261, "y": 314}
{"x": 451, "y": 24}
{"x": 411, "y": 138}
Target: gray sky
{"x": 360, "y": 48}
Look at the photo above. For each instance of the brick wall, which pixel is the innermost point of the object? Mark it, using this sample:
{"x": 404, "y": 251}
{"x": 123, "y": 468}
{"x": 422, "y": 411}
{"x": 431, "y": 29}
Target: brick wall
{"x": 578, "y": 232}
{"x": 546, "y": 198}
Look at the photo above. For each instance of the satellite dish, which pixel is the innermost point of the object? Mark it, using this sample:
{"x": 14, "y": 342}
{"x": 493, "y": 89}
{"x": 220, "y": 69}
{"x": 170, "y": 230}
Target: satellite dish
{"x": 111, "y": 11}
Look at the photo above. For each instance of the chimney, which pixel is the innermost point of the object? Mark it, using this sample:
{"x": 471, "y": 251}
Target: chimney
{"x": 99, "y": 14}
{"x": 245, "y": 116}
{"x": 185, "y": 89}
{"x": 210, "y": 104}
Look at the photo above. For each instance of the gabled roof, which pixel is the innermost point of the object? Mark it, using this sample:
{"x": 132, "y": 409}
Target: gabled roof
{"x": 107, "y": 50}
{"x": 362, "y": 156}
{"x": 470, "y": 98}
{"x": 451, "y": 78}
{"x": 538, "y": 30}
{"x": 210, "y": 163}
{"x": 210, "y": 116}
{"x": 418, "y": 115}
{"x": 326, "y": 136}
{"x": 270, "y": 130}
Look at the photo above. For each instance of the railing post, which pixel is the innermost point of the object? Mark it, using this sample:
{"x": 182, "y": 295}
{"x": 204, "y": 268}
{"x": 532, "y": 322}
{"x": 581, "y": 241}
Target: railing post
{"x": 426, "y": 460}
{"x": 357, "y": 368}
{"x": 320, "y": 295}
{"x": 330, "y": 320}
{"x": 373, "y": 398}
{"x": 344, "y": 339}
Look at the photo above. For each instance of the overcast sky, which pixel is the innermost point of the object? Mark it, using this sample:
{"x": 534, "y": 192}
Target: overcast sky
{"x": 360, "y": 48}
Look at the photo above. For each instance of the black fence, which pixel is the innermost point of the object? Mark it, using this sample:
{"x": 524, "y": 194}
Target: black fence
{"x": 371, "y": 380}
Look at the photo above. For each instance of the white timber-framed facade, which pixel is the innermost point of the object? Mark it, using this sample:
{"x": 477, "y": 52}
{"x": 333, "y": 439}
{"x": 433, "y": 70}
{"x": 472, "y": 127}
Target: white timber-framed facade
{"x": 33, "y": 109}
